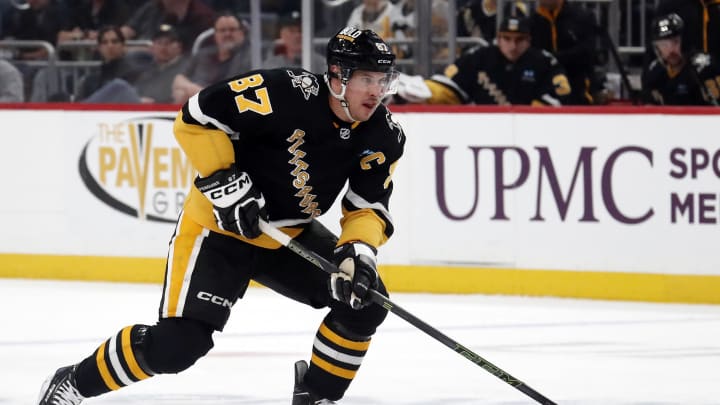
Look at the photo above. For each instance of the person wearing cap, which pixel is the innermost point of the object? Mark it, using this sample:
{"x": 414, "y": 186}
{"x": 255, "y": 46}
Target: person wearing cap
{"x": 478, "y": 18}
{"x": 287, "y": 49}
{"x": 189, "y": 17}
{"x": 676, "y": 77}
{"x": 155, "y": 83}
{"x": 510, "y": 72}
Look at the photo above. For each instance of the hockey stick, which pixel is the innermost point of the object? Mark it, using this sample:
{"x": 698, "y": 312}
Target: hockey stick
{"x": 385, "y": 302}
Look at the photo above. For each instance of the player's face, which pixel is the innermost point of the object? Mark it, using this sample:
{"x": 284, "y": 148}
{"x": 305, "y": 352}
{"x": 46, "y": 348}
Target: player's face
{"x": 513, "y": 44}
{"x": 670, "y": 51}
{"x": 365, "y": 91}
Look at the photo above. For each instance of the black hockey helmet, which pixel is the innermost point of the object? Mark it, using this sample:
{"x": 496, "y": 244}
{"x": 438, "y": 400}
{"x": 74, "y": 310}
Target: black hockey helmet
{"x": 352, "y": 48}
{"x": 515, "y": 19}
{"x": 667, "y": 26}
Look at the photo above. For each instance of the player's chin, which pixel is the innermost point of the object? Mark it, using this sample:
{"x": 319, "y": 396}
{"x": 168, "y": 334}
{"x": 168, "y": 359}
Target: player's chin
{"x": 366, "y": 110}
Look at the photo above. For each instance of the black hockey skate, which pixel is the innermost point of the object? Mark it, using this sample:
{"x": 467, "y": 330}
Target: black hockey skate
{"x": 301, "y": 395}
{"x": 60, "y": 388}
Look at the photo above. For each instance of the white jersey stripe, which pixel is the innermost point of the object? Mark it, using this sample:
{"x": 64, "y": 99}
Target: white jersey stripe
{"x": 360, "y": 202}
{"x": 168, "y": 270}
{"x": 334, "y": 354}
{"x": 115, "y": 362}
{"x": 199, "y": 116}
{"x": 189, "y": 271}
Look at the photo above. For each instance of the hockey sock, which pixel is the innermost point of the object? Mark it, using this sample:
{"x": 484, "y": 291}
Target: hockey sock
{"x": 336, "y": 357}
{"x": 118, "y": 362}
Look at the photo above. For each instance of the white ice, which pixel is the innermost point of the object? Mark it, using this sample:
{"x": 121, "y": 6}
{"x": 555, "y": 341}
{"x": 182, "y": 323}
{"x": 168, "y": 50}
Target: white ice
{"x": 571, "y": 351}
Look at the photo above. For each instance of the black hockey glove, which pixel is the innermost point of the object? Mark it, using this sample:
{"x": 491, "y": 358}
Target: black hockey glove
{"x": 358, "y": 273}
{"x": 238, "y": 204}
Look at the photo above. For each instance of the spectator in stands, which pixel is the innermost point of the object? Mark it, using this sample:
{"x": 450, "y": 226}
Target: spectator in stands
{"x": 438, "y": 26}
{"x": 383, "y": 17}
{"x": 88, "y": 16}
{"x": 287, "y": 49}
{"x": 568, "y": 31}
{"x": 229, "y": 56}
{"x": 116, "y": 64}
{"x": 478, "y": 18}
{"x": 5, "y": 7}
{"x": 702, "y": 23}
{"x": 40, "y": 20}
{"x": 509, "y": 73}
{"x": 155, "y": 83}
{"x": 675, "y": 77}
{"x": 189, "y": 17}
{"x": 11, "y": 83}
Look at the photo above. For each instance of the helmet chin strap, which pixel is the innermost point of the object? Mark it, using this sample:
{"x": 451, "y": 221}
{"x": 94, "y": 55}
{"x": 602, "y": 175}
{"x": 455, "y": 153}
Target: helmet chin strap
{"x": 340, "y": 97}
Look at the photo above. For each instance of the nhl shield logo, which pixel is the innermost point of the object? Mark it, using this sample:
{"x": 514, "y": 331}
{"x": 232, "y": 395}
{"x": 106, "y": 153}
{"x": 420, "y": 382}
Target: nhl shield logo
{"x": 344, "y": 133}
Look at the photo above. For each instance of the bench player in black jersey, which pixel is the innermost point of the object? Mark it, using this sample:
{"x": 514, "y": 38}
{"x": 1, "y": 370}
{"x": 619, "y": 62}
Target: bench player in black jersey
{"x": 277, "y": 145}
{"x": 509, "y": 73}
{"x": 678, "y": 76}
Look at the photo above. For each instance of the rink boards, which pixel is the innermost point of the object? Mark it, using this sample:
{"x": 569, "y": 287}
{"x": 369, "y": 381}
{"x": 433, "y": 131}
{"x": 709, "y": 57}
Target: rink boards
{"x": 612, "y": 203}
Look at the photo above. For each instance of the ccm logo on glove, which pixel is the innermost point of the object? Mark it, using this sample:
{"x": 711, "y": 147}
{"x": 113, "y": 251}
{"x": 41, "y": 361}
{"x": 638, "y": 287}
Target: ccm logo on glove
{"x": 221, "y": 194}
{"x": 237, "y": 203}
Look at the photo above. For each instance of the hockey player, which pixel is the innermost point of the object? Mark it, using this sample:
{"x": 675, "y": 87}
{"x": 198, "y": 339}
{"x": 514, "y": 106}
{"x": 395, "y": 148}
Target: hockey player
{"x": 511, "y": 72}
{"x": 676, "y": 78}
{"x": 277, "y": 145}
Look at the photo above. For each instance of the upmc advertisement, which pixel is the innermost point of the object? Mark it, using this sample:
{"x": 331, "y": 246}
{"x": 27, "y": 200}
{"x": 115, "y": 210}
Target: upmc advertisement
{"x": 618, "y": 192}
{"x": 622, "y": 192}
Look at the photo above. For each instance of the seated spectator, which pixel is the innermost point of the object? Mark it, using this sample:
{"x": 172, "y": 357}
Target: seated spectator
{"x": 229, "y": 56}
{"x": 287, "y": 50}
{"x": 438, "y": 27}
{"x": 568, "y": 31}
{"x": 383, "y": 17}
{"x": 675, "y": 78}
{"x": 189, "y": 17}
{"x": 155, "y": 83}
{"x": 509, "y": 73}
{"x": 40, "y": 20}
{"x": 88, "y": 16}
{"x": 11, "y": 83}
{"x": 116, "y": 63}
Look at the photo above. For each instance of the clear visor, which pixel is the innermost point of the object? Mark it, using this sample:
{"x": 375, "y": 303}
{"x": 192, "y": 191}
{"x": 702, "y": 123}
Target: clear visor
{"x": 385, "y": 83}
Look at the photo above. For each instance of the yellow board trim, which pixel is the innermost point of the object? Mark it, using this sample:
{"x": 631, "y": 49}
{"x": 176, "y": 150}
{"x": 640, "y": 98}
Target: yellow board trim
{"x": 103, "y": 368}
{"x": 607, "y": 285}
{"x": 84, "y": 268}
{"x": 332, "y": 369}
{"x": 130, "y": 356}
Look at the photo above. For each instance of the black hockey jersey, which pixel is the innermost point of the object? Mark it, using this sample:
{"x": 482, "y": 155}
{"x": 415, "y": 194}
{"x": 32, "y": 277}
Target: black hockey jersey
{"x": 485, "y": 76}
{"x": 277, "y": 126}
{"x": 697, "y": 83}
